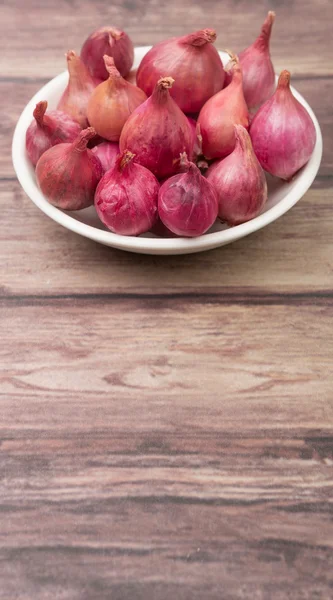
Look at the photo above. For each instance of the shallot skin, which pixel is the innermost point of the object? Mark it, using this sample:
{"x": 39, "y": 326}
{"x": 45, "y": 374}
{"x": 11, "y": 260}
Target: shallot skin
{"x": 282, "y": 132}
{"x": 239, "y": 181}
{"x": 48, "y": 129}
{"x": 197, "y": 139}
{"x": 157, "y": 132}
{"x": 113, "y": 42}
{"x": 126, "y": 197}
{"x": 257, "y": 67}
{"x": 192, "y": 61}
{"x": 219, "y": 115}
{"x": 68, "y": 174}
{"x": 187, "y": 203}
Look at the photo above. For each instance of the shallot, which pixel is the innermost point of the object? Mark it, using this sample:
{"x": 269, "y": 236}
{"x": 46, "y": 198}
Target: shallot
{"x": 48, "y": 129}
{"x": 192, "y": 61}
{"x": 187, "y": 202}
{"x": 282, "y": 132}
{"x": 257, "y": 67}
{"x": 126, "y": 197}
{"x": 110, "y": 41}
{"x": 219, "y": 115}
{"x": 157, "y": 132}
{"x": 68, "y": 174}
{"x": 239, "y": 181}
{"x": 74, "y": 100}
{"x": 112, "y": 102}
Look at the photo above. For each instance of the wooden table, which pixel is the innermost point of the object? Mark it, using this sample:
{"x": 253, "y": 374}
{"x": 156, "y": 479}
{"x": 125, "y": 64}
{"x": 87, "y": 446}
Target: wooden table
{"x": 166, "y": 423}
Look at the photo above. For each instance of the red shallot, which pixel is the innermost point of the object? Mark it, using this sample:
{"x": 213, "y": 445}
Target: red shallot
{"x": 157, "y": 132}
{"x": 110, "y": 41}
{"x": 112, "y": 102}
{"x": 187, "y": 202}
{"x": 107, "y": 153}
{"x": 282, "y": 132}
{"x": 192, "y": 61}
{"x": 126, "y": 197}
{"x": 219, "y": 115}
{"x": 239, "y": 181}
{"x": 257, "y": 67}
{"x": 68, "y": 174}
{"x": 81, "y": 84}
{"x": 48, "y": 129}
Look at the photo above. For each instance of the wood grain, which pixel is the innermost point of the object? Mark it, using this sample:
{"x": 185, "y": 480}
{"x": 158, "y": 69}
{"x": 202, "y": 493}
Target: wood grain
{"x": 222, "y": 464}
{"x": 166, "y": 423}
{"x": 302, "y": 33}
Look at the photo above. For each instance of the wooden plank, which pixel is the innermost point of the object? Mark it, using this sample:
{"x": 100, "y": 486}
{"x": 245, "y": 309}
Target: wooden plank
{"x": 165, "y": 450}
{"x": 302, "y": 38}
{"x": 184, "y": 562}
{"x": 292, "y": 256}
{"x": 218, "y": 365}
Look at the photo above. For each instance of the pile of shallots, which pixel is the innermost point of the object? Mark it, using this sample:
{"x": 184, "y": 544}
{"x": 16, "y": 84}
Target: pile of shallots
{"x": 174, "y": 145}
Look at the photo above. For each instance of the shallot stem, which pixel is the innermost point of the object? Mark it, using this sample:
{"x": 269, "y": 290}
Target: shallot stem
{"x": 234, "y": 60}
{"x": 115, "y": 34}
{"x": 267, "y": 25}
{"x": 83, "y": 138}
{"x": 110, "y": 66}
{"x": 199, "y": 38}
{"x": 284, "y": 80}
{"x": 165, "y": 83}
{"x": 39, "y": 112}
{"x": 126, "y": 158}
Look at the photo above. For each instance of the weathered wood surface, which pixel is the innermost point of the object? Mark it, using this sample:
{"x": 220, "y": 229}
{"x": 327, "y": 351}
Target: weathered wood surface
{"x": 166, "y": 424}
{"x": 191, "y": 457}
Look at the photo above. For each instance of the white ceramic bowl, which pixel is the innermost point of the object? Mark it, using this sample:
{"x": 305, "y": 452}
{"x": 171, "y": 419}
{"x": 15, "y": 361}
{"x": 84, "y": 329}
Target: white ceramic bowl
{"x": 281, "y": 196}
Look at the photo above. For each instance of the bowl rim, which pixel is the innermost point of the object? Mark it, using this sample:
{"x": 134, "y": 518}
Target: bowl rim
{"x": 155, "y": 244}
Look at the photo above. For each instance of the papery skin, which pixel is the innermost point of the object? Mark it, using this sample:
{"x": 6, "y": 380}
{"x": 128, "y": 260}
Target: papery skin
{"x": 107, "y": 153}
{"x": 239, "y": 181}
{"x": 196, "y": 137}
{"x": 228, "y": 69}
{"x": 68, "y": 174}
{"x": 48, "y": 129}
{"x": 112, "y": 102}
{"x": 187, "y": 203}
{"x": 192, "y": 61}
{"x": 219, "y": 115}
{"x": 282, "y": 132}
{"x": 74, "y": 100}
{"x": 257, "y": 67}
{"x": 157, "y": 132}
{"x": 113, "y": 42}
{"x": 126, "y": 197}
